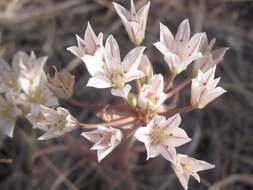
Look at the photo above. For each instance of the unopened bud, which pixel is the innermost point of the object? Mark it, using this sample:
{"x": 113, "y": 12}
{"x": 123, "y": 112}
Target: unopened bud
{"x": 62, "y": 84}
{"x": 107, "y": 114}
{"x": 146, "y": 68}
{"x": 132, "y": 100}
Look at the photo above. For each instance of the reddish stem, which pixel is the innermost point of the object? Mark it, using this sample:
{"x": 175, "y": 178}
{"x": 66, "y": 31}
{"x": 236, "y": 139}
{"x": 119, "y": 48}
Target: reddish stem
{"x": 121, "y": 107}
{"x": 177, "y": 110}
{"x": 179, "y": 87}
{"x": 114, "y": 123}
{"x": 170, "y": 82}
{"x": 138, "y": 86}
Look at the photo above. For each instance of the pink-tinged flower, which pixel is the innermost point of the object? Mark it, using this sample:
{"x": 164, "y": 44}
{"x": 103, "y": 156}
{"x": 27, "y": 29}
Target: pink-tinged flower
{"x": 106, "y": 139}
{"x": 204, "y": 90}
{"x": 210, "y": 58}
{"x": 152, "y": 95}
{"x": 161, "y": 136}
{"x": 134, "y": 21}
{"x": 146, "y": 68}
{"x": 8, "y": 114}
{"x": 89, "y": 45}
{"x": 111, "y": 72}
{"x": 180, "y": 51}
{"x": 185, "y": 166}
{"x": 54, "y": 122}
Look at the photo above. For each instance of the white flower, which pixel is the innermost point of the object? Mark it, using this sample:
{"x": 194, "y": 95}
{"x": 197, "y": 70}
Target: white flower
{"x": 32, "y": 80}
{"x": 185, "y": 166}
{"x": 146, "y": 68}
{"x": 54, "y": 122}
{"x": 30, "y": 71}
{"x": 210, "y": 58}
{"x": 8, "y": 114}
{"x": 204, "y": 90}
{"x": 89, "y": 45}
{"x": 8, "y": 78}
{"x": 112, "y": 72}
{"x": 152, "y": 95}
{"x": 161, "y": 136}
{"x": 106, "y": 139}
{"x": 180, "y": 51}
{"x": 134, "y": 21}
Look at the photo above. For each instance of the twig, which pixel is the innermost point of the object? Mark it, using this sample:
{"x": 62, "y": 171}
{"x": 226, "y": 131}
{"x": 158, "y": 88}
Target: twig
{"x": 179, "y": 87}
{"x": 248, "y": 179}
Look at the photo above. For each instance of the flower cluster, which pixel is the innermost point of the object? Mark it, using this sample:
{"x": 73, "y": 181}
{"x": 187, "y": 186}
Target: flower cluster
{"x": 27, "y": 91}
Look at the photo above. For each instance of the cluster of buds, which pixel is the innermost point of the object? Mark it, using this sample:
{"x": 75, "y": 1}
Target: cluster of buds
{"x": 144, "y": 115}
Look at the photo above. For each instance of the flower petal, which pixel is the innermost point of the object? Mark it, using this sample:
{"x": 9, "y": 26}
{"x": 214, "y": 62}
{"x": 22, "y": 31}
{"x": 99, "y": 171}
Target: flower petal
{"x": 143, "y": 134}
{"x": 182, "y": 177}
{"x": 121, "y": 92}
{"x": 75, "y": 50}
{"x": 132, "y": 60}
{"x": 112, "y": 53}
{"x": 133, "y": 75}
{"x": 166, "y": 37}
{"x": 183, "y": 34}
{"x": 93, "y": 64}
{"x": 99, "y": 81}
{"x": 173, "y": 122}
{"x": 168, "y": 152}
{"x": 151, "y": 150}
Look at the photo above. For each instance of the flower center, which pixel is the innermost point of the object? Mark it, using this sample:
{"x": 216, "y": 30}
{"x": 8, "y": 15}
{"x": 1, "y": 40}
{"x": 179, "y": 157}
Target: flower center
{"x": 118, "y": 81}
{"x": 152, "y": 97}
{"x": 106, "y": 139}
{"x": 159, "y": 135}
{"x": 61, "y": 123}
{"x": 36, "y": 96}
{"x": 186, "y": 168}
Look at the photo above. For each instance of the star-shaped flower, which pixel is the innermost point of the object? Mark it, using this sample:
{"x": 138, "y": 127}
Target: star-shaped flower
{"x": 90, "y": 45}
{"x": 210, "y": 57}
{"x": 113, "y": 73}
{"x": 180, "y": 51}
{"x": 185, "y": 166}
{"x": 54, "y": 122}
{"x": 134, "y": 21}
{"x": 161, "y": 136}
{"x": 106, "y": 139}
{"x": 152, "y": 95}
{"x": 204, "y": 88}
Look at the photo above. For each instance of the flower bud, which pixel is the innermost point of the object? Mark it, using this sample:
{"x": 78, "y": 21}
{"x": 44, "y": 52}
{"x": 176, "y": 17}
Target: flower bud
{"x": 146, "y": 68}
{"x": 62, "y": 84}
{"x": 107, "y": 114}
{"x": 132, "y": 100}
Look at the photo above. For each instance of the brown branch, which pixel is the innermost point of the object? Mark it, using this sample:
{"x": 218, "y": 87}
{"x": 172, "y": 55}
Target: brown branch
{"x": 248, "y": 179}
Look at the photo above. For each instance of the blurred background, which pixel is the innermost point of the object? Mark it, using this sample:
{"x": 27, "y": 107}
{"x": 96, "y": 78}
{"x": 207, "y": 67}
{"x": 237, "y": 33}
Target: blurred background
{"x": 222, "y": 132}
